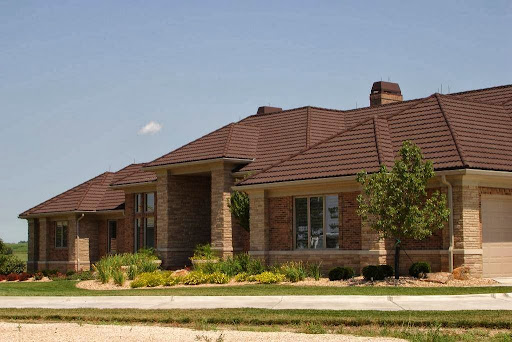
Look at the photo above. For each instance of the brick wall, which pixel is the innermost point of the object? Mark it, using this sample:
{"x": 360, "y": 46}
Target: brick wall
{"x": 350, "y": 222}
{"x": 53, "y": 253}
{"x": 281, "y": 223}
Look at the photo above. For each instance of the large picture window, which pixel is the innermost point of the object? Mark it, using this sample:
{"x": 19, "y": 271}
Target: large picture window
{"x": 149, "y": 203}
{"x": 61, "y": 234}
{"x": 316, "y": 222}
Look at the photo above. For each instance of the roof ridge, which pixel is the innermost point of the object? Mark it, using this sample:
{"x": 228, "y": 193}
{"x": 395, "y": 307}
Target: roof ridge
{"x": 481, "y": 89}
{"x": 272, "y": 113}
{"x": 89, "y": 188}
{"x": 454, "y": 135}
{"x": 73, "y": 189}
{"x": 226, "y": 146}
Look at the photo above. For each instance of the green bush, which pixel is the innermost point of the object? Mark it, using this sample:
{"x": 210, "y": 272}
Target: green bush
{"x": 269, "y": 278}
{"x": 255, "y": 266}
{"x": 314, "y": 270}
{"x": 195, "y": 278}
{"x": 119, "y": 277}
{"x": 419, "y": 269}
{"x": 143, "y": 262}
{"x": 230, "y": 266}
{"x": 206, "y": 267}
{"x": 388, "y": 270}
{"x": 169, "y": 279}
{"x": 218, "y": 278}
{"x": 373, "y": 272}
{"x": 241, "y": 277}
{"x": 151, "y": 279}
{"x": 293, "y": 271}
{"x": 341, "y": 273}
{"x": 203, "y": 252}
{"x": 83, "y": 275}
{"x": 48, "y": 273}
{"x": 11, "y": 264}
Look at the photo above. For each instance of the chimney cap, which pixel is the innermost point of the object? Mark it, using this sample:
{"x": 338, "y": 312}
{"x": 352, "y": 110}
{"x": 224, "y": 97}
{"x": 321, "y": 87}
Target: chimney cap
{"x": 268, "y": 110}
{"x": 386, "y": 87}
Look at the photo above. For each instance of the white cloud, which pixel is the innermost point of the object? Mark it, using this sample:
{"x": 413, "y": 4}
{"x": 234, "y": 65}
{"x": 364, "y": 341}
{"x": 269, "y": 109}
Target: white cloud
{"x": 151, "y": 127}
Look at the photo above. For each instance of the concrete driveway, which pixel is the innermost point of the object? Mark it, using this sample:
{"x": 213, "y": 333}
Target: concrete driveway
{"x": 500, "y": 301}
{"x": 506, "y": 281}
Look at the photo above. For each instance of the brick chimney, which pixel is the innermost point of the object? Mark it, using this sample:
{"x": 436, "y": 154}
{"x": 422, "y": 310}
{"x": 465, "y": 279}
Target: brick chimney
{"x": 268, "y": 110}
{"x": 385, "y": 92}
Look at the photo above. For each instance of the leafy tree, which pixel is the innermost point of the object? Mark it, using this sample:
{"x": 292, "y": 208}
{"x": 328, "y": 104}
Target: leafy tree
{"x": 239, "y": 207}
{"x": 395, "y": 202}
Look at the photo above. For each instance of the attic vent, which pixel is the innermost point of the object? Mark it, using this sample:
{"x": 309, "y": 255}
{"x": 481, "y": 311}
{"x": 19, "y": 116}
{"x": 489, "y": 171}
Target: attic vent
{"x": 385, "y": 92}
{"x": 267, "y": 110}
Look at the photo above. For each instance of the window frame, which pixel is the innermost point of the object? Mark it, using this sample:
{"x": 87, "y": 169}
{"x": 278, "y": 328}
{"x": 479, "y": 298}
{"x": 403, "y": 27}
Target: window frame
{"x": 146, "y": 211}
{"x": 109, "y": 241}
{"x": 145, "y": 223}
{"x": 139, "y": 205}
{"x": 324, "y": 228}
{"x": 64, "y": 227}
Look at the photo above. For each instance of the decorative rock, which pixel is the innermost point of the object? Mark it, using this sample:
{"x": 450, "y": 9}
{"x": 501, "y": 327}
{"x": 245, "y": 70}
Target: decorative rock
{"x": 461, "y": 273}
{"x": 439, "y": 277}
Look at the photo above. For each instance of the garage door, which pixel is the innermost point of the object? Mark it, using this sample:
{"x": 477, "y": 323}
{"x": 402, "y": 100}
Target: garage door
{"x": 497, "y": 236}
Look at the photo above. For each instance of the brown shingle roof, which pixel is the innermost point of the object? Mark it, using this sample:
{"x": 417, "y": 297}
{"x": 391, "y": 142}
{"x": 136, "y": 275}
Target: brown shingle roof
{"x": 93, "y": 195}
{"x": 454, "y": 131}
{"x": 133, "y": 174}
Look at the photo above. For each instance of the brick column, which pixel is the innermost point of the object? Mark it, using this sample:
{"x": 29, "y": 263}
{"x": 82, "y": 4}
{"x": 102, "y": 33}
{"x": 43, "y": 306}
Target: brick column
{"x": 72, "y": 243}
{"x": 466, "y": 228}
{"x": 162, "y": 220}
{"x": 260, "y": 228}
{"x": 43, "y": 238}
{"x": 221, "y": 223}
{"x": 375, "y": 247}
{"x": 31, "y": 262}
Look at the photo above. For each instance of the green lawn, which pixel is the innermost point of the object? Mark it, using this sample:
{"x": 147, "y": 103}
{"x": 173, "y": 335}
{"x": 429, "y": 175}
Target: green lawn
{"x": 19, "y": 249}
{"x": 412, "y": 325}
{"x": 67, "y": 288}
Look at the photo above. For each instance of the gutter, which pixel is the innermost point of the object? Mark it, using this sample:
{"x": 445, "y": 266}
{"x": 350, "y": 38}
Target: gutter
{"x": 450, "y": 223}
{"x": 77, "y": 247}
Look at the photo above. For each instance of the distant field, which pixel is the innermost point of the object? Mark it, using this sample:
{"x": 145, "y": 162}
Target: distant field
{"x": 19, "y": 249}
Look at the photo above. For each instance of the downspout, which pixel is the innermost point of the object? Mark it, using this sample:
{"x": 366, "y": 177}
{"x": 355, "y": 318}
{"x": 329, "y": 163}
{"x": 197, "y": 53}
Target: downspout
{"x": 450, "y": 223}
{"x": 78, "y": 242}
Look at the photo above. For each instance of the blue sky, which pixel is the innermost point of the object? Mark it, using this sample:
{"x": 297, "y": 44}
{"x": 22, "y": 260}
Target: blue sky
{"x": 78, "y": 80}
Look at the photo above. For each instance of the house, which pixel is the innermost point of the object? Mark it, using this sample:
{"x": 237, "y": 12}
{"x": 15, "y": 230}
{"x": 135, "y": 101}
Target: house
{"x": 298, "y": 167}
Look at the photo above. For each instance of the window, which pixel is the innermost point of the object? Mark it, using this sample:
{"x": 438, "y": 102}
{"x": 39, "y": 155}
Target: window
{"x": 112, "y": 235}
{"x": 149, "y": 202}
{"x": 138, "y": 203}
{"x": 316, "y": 222}
{"x": 61, "y": 234}
{"x": 149, "y": 232}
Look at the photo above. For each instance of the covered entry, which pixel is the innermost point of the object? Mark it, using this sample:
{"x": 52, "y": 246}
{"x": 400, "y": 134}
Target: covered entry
{"x": 497, "y": 236}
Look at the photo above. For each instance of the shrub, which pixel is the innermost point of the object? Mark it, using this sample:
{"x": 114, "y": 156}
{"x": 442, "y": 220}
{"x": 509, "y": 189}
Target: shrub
{"x": 243, "y": 260}
{"x": 132, "y": 272}
{"x": 169, "y": 279}
{"x": 241, "y": 277}
{"x": 208, "y": 267}
{"x": 149, "y": 280}
{"x": 230, "y": 266}
{"x": 11, "y": 264}
{"x": 341, "y": 273}
{"x": 24, "y": 276}
{"x": 203, "y": 252}
{"x": 48, "y": 273}
{"x": 195, "y": 278}
{"x": 69, "y": 274}
{"x": 58, "y": 276}
{"x": 3, "y": 277}
{"x": 269, "y": 278}
{"x": 38, "y": 276}
{"x": 293, "y": 271}
{"x": 388, "y": 270}
{"x": 373, "y": 272}
{"x": 83, "y": 275}
{"x": 314, "y": 270}
{"x": 218, "y": 278}
{"x": 143, "y": 260}
{"x": 119, "y": 277}
{"x": 419, "y": 269}
{"x": 12, "y": 277}
{"x": 255, "y": 266}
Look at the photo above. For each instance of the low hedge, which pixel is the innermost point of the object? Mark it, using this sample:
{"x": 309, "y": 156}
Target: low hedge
{"x": 419, "y": 269}
{"x": 341, "y": 273}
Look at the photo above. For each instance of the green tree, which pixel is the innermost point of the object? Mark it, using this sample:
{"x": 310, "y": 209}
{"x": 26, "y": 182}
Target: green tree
{"x": 239, "y": 207}
{"x": 395, "y": 202}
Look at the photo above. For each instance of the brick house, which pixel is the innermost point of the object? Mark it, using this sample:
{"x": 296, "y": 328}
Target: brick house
{"x": 298, "y": 167}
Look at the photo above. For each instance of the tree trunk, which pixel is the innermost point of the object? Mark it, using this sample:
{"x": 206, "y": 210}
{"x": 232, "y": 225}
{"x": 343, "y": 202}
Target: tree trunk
{"x": 397, "y": 259}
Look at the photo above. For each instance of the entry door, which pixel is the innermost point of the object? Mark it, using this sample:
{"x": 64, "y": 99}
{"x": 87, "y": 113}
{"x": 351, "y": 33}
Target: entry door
{"x": 112, "y": 236}
{"x": 497, "y": 236}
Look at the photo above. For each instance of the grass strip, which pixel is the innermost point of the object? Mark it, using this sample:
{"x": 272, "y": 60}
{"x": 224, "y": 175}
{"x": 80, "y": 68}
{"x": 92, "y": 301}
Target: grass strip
{"x": 68, "y": 288}
{"x": 265, "y": 317}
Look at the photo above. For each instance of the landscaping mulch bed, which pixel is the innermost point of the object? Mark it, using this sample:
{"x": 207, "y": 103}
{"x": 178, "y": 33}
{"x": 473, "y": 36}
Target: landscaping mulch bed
{"x": 357, "y": 281}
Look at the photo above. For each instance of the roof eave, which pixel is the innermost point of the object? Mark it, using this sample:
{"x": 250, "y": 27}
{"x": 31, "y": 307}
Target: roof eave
{"x": 130, "y": 185}
{"x": 196, "y": 162}
{"x": 57, "y": 213}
